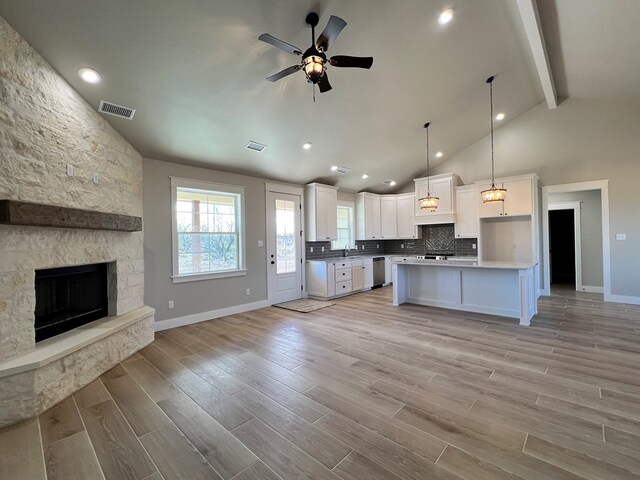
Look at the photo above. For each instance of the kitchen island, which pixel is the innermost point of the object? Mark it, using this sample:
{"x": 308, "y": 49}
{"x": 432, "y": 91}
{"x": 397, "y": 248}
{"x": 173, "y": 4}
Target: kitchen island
{"x": 498, "y": 288}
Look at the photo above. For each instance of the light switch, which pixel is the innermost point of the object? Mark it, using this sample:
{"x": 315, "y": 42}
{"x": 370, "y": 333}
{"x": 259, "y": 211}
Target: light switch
{"x": 310, "y": 249}
{"x": 621, "y": 236}
{"x": 70, "y": 170}
{"x": 260, "y": 243}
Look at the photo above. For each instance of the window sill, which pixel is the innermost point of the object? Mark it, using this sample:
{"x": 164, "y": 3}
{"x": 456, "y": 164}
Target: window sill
{"x": 207, "y": 276}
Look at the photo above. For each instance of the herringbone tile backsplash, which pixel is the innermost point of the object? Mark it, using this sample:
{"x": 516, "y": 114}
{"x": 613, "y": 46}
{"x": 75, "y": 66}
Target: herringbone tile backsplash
{"x": 436, "y": 239}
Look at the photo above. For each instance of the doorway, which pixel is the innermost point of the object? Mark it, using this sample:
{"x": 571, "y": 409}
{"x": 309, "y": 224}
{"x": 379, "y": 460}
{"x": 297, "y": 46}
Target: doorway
{"x": 564, "y": 246}
{"x": 593, "y": 267}
{"x": 284, "y": 246}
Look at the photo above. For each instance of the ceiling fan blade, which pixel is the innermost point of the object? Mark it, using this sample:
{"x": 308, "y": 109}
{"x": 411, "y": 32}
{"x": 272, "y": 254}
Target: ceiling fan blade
{"x": 287, "y": 47}
{"x": 330, "y": 33}
{"x": 347, "y": 61}
{"x": 287, "y": 71}
{"x": 323, "y": 83}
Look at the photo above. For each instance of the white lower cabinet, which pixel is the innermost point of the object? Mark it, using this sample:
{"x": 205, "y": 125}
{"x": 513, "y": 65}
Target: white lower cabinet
{"x": 328, "y": 279}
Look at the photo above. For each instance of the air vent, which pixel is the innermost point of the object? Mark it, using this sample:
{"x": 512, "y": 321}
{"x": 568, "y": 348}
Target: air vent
{"x": 342, "y": 170}
{"x": 116, "y": 110}
{"x": 388, "y": 182}
{"x": 255, "y": 146}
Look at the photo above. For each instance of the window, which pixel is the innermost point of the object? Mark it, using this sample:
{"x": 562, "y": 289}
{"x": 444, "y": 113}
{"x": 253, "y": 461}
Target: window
{"x": 345, "y": 227}
{"x": 208, "y": 236}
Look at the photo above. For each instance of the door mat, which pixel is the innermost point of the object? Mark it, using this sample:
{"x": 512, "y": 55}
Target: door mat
{"x": 304, "y": 305}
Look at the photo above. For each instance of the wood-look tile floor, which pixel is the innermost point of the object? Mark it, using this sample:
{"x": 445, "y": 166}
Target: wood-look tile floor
{"x": 359, "y": 390}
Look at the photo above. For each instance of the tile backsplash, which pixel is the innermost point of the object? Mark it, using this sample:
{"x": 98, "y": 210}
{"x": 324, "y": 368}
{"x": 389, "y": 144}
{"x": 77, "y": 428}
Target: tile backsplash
{"x": 435, "y": 239}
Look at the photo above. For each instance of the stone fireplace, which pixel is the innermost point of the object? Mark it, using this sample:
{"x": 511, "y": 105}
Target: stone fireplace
{"x": 44, "y": 126}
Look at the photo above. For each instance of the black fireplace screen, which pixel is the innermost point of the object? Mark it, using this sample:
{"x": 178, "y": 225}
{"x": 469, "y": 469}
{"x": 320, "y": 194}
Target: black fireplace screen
{"x": 69, "y": 297}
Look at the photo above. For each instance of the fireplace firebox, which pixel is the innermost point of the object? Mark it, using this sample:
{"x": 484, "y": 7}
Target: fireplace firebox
{"x": 69, "y": 297}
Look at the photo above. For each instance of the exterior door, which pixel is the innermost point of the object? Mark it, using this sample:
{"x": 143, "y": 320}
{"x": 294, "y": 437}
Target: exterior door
{"x": 284, "y": 247}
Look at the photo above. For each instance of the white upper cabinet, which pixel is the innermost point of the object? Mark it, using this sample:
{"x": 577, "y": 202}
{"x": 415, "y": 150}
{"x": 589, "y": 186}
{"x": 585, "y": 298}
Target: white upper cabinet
{"x": 388, "y": 217}
{"x": 368, "y": 225}
{"x": 441, "y": 186}
{"x": 519, "y": 199}
{"x": 321, "y": 212}
{"x": 467, "y": 204}
{"x": 405, "y": 209}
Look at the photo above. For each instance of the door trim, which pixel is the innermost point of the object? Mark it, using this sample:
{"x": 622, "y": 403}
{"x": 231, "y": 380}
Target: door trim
{"x": 577, "y": 237}
{"x": 603, "y": 186}
{"x": 292, "y": 190}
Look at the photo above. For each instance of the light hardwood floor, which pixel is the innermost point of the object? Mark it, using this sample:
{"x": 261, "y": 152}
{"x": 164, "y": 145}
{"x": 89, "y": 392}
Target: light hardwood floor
{"x": 359, "y": 390}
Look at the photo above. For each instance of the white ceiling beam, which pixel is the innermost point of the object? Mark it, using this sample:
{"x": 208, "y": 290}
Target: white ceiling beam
{"x": 531, "y": 20}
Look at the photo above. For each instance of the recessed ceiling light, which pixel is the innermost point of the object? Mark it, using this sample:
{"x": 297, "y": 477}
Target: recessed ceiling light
{"x": 365, "y": 176}
{"x": 334, "y": 168}
{"x": 89, "y": 75}
{"x": 445, "y": 17}
{"x": 439, "y": 155}
{"x": 500, "y": 116}
{"x": 307, "y": 145}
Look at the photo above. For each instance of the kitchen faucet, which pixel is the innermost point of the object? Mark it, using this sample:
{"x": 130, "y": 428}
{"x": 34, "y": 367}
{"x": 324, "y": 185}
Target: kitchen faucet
{"x": 346, "y": 250}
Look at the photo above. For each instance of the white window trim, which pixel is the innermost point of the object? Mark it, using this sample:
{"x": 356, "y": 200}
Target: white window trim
{"x": 352, "y": 205}
{"x": 178, "y": 182}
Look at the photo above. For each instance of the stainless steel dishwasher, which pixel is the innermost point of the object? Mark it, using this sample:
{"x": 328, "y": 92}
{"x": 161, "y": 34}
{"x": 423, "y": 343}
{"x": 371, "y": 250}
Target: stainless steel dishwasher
{"x": 378, "y": 272}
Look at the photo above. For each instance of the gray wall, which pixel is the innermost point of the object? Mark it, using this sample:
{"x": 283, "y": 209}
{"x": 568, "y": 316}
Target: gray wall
{"x": 581, "y": 140}
{"x": 204, "y": 295}
{"x": 591, "y": 227}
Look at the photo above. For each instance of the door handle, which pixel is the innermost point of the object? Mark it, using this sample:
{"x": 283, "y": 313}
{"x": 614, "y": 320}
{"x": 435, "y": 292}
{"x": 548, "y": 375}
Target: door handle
{"x": 272, "y": 262}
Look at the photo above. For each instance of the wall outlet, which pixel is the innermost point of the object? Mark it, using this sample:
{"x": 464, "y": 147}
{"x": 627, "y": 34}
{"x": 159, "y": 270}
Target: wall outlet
{"x": 377, "y": 246}
{"x": 96, "y": 178}
{"x": 402, "y": 245}
{"x": 171, "y": 305}
{"x": 322, "y": 249}
{"x": 310, "y": 249}
{"x": 247, "y": 291}
{"x": 473, "y": 245}
{"x": 260, "y": 243}
{"x": 621, "y": 236}
{"x": 70, "y": 170}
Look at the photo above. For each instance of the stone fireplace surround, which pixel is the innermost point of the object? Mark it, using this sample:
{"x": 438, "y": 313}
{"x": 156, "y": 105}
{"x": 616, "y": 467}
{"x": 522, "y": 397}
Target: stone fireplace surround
{"x": 44, "y": 126}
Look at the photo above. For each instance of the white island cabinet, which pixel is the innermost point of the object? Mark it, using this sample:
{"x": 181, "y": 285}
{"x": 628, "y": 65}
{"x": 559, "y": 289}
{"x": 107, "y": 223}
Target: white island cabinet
{"x": 498, "y": 288}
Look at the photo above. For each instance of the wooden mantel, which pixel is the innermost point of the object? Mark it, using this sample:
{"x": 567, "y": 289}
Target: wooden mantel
{"x": 13, "y": 212}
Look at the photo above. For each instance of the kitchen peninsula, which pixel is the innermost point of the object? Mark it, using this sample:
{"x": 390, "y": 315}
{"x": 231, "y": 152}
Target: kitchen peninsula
{"x": 499, "y": 288}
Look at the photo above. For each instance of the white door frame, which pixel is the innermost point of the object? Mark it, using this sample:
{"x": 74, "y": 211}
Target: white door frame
{"x": 292, "y": 190}
{"x": 577, "y": 235}
{"x": 603, "y": 187}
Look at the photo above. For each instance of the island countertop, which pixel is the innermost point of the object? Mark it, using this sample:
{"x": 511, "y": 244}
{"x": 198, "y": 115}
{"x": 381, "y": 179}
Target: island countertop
{"x": 461, "y": 263}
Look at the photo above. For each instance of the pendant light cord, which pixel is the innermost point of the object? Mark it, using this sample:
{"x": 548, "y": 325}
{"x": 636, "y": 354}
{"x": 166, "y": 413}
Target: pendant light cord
{"x": 426, "y": 126}
{"x": 493, "y": 181}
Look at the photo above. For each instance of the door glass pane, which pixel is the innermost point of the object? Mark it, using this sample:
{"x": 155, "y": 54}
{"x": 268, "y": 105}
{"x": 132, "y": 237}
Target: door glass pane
{"x": 285, "y": 236}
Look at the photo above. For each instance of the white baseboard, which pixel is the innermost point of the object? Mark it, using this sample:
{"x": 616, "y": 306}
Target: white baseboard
{"x": 201, "y": 317}
{"x": 622, "y": 299}
{"x": 592, "y": 289}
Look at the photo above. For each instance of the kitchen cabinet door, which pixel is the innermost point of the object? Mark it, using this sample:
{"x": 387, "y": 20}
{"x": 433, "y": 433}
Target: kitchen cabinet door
{"x": 404, "y": 216}
{"x": 367, "y": 270}
{"x": 357, "y": 277}
{"x": 439, "y": 187}
{"x": 388, "y": 220}
{"x": 321, "y": 212}
{"x": 368, "y": 216}
{"x": 467, "y": 203}
{"x": 519, "y": 199}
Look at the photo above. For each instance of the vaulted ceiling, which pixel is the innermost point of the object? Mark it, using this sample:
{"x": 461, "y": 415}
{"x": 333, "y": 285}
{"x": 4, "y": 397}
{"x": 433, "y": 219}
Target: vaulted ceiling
{"x": 195, "y": 72}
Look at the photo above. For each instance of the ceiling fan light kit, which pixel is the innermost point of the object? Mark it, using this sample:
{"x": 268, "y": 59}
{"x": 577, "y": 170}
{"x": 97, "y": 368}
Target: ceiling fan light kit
{"x": 314, "y": 61}
{"x": 429, "y": 202}
{"x": 493, "y": 194}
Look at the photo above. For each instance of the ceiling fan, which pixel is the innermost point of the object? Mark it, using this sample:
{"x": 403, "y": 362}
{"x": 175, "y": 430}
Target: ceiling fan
{"x": 314, "y": 61}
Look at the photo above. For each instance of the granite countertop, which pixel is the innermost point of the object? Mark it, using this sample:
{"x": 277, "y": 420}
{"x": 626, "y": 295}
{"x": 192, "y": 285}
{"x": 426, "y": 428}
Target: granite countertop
{"x": 352, "y": 257}
{"x": 397, "y": 259}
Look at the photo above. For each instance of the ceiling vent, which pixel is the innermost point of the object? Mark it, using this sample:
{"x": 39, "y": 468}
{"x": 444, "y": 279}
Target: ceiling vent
{"x": 389, "y": 182}
{"x": 255, "y": 146}
{"x": 116, "y": 110}
{"x": 342, "y": 170}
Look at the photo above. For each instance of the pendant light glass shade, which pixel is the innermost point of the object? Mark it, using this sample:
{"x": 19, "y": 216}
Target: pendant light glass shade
{"x": 493, "y": 194}
{"x": 429, "y": 202}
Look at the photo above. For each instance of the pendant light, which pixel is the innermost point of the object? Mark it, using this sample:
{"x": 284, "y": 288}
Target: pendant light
{"x": 494, "y": 194}
{"x": 429, "y": 202}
